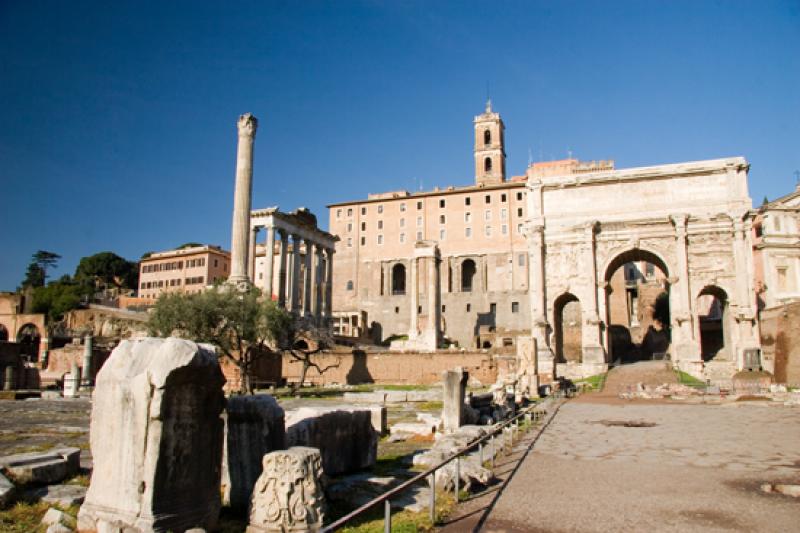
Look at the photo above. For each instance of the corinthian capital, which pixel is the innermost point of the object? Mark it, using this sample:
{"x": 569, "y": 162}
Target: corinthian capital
{"x": 247, "y": 125}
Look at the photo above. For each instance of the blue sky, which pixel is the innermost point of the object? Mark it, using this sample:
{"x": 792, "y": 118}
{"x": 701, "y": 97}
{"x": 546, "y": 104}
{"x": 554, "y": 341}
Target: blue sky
{"x": 117, "y": 119}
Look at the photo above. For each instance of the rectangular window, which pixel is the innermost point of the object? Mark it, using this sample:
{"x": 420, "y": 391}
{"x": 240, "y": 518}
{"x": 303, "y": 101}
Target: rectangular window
{"x": 363, "y": 226}
{"x": 402, "y": 207}
{"x": 349, "y": 227}
{"x": 441, "y": 234}
{"x": 338, "y": 213}
{"x": 444, "y": 308}
{"x": 402, "y": 223}
{"x": 441, "y": 204}
{"x": 503, "y": 197}
{"x": 488, "y": 199}
{"x": 504, "y": 229}
{"x": 442, "y": 219}
{"x": 380, "y": 239}
{"x": 363, "y": 241}
{"x": 488, "y": 231}
{"x": 380, "y": 224}
{"x": 487, "y": 215}
{"x": 419, "y": 206}
{"x": 467, "y": 217}
{"x": 515, "y": 307}
{"x": 402, "y": 238}
{"x": 469, "y": 308}
{"x": 350, "y": 212}
{"x": 519, "y": 196}
{"x": 468, "y": 232}
{"x": 503, "y": 214}
{"x": 519, "y": 212}
{"x": 493, "y": 308}
{"x": 519, "y": 229}
{"x": 380, "y": 209}
{"x": 363, "y": 210}
{"x": 349, "y": 242}
{"x": 419, "y": 222}
{"x": 467, "y": 201}
{"x": 521, "y": 260}
{"x": 419, "y": 235}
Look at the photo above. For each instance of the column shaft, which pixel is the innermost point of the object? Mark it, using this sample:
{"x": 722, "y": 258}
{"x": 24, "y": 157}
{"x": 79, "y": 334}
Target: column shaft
{"x": 329, "y": 287}
{"x": 282, "y": 270}
{"x": 294, "y": 285}
{"x": 316, "y": 272}
{"x": 242, "y": 194}
{"x": 307, "y": 297}
{"x": 269, "y": 260}
{"x": 251, "y": 262}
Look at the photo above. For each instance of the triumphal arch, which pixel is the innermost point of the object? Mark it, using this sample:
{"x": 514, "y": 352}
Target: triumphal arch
{"x": 690, "y": 221}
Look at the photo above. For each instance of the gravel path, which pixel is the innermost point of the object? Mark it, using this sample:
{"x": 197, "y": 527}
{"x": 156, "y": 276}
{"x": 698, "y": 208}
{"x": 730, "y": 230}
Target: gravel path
{"x": 644, "y": 466}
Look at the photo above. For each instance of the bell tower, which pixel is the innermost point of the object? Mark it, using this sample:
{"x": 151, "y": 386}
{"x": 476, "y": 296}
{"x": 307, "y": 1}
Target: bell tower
{"x": 490, "y": 154}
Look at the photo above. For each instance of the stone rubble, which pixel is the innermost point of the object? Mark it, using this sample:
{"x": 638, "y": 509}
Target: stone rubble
{"x": 471, "y": 471}
{"x": 677, "y": 391}
{"x": 63, "y": 495}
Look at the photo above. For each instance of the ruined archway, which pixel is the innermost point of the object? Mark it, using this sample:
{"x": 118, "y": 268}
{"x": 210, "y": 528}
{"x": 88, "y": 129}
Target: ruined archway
{"x": 637, "y": 306}
{"x": 568, "y": 330}
{"x": 468, "y": 271}
{"x": 713, "y": 322}
{"x": 28, "y": 337}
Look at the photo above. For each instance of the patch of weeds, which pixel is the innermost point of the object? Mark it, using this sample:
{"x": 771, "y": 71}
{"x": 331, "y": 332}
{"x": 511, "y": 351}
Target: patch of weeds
{"x": 404, "y": 387}
{"x": 81, "y": 480}
{"x": 32, "y": 448}
{"x": 429, "y": 406}
{"x": 402, "y": 521}
{"x": 597, "y": 382}
{"x": 25, "y": 517}
{"x": 688, "y": 379}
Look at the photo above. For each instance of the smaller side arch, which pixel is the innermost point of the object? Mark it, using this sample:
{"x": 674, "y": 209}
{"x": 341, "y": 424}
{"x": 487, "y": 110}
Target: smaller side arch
{"x": 568, "y": 328}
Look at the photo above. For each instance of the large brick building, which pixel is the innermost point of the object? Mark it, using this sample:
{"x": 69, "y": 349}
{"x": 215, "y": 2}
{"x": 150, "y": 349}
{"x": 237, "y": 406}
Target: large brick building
{"x": 187, "y": 270}
{"x": 479, "y": 232}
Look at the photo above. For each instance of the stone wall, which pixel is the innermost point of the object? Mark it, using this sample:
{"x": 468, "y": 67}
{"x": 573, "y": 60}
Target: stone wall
{"x": 384, "y": 367}
{"x": 780, "y": 341}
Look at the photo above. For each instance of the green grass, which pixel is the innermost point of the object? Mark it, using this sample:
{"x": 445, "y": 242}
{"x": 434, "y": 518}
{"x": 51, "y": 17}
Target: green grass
{"x": 688, "y": 379}
{"x": 25, "y": 517}
{"x": 429, "y": 406}
{"x": 402, "y": 387}
{"x": 597, "y": 381}
{"x": 402, "y": 521}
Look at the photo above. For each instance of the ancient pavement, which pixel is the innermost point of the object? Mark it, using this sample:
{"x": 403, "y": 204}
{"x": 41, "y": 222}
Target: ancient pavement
{"x": 609, "y": 465}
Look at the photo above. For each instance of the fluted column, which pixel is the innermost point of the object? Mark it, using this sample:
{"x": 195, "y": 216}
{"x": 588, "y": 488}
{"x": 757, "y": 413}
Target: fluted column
{"x": 269, "y": 260}
{"x": 251, "y": 262}
{"x": 282, "y": 269}
{"x": 307, "y": 296}
{"x": 316, "y": 271}
{"x": 294, "y": 286}
{"x": 686, "y": 347}
{"x": 240, "y": 231}
{"x": 328, "y": 286}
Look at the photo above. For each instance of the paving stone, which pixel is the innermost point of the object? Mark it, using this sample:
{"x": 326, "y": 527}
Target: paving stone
{"x": 63, "y": 495}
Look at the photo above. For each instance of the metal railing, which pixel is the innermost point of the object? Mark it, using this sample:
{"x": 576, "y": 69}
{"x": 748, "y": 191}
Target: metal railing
{"x": 508, "y": 429}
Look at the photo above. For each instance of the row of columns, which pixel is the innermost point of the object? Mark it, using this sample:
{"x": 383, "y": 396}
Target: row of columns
{"x": 315, "y": 281}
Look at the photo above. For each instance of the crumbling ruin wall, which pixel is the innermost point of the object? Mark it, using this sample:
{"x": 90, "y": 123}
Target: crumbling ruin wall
{"x": 780, "y": 341}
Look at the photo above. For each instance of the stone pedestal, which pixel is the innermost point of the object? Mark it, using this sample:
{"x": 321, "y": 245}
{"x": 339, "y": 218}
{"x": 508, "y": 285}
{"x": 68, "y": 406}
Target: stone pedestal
{"x": 72, "y": 382}
{"x": 156, "y": 439}
{"x": 288, "y": 495}
{"x": 254, "y": 427}
{"x": 455, "y": 385}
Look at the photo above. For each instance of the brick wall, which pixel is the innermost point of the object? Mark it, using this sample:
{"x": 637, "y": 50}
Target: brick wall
{"x": 780, "y": 341}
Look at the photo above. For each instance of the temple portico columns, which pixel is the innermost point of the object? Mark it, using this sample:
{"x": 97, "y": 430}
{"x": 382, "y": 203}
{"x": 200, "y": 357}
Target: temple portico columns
{"x": 413, "y": 284}
{"x": 328, "y": 285}
{"x": 282, "y": 268}
{"x": 240, "y": 233}
{"x": 294, "y": 285}
{"x": 307, "y": 293}
{"x": 251, "y": 262}
{"x": 316, "y": 279}
{"x": 269, "y": 260}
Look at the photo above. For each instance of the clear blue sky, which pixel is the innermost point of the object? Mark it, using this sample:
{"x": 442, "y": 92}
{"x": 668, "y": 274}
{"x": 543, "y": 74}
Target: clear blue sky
{"x": 117, "y": 119}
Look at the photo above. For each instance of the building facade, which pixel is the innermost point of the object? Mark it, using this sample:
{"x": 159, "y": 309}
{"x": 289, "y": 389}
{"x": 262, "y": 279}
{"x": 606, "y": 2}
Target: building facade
{"x": 186, "y": 270}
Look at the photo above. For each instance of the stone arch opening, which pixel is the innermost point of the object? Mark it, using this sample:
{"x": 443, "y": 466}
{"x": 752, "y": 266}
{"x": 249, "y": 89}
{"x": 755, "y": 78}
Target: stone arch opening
{"x": 713, "y": 313}
{"x": 3, "y": 333}
{"x": 28, "y": 337}
{"x": 568, "y": 329}
{"x": 637, "y": 306}
{"x": 468, "y": 271}
{"x": 399, "y": 279}
{"x": 487, "y": 137}
{"x": 487, "y": 164}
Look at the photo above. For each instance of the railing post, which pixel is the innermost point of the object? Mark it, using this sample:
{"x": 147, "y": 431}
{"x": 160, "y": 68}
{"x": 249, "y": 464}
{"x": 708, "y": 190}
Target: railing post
{"x": 480, "y": 453}
{"x": 458, "y": 476}
{"x": 387, "y": 516}
{"x": 433, "y": 497}
{"x": 493, "y": 451}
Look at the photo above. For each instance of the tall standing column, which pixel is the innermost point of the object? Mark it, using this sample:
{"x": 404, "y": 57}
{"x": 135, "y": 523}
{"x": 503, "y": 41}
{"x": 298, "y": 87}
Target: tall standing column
{"x": 240, "y": 233}
{"x": 294, "y": 287}
{"x": 413, "y": 284}
{"x": 269, "y": 260}
{"x": 282, "y": 269}
{"x": 87, "y": 361}
{"x": 251, "y": 262}
{"x": 682, "y": 315}
{"x": 316, "y": 272}
{"x": 307, "y": 296}
{"x": 328, "y": 286}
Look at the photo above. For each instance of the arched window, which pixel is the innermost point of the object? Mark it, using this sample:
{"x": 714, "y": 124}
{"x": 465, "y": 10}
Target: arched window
{"x": 398, "y": 279}
{"x": 487, "y": 164}
{"x": 349, "y": 284}
{"x": 487, "y": 137}
{"x": 467, "y": 275}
